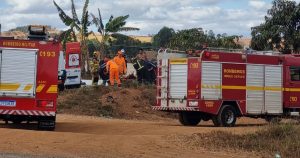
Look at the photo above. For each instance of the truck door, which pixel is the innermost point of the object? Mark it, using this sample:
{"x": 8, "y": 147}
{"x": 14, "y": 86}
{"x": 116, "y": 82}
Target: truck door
{"x": 293, "y": 86}
{"x": 73, "y": 64}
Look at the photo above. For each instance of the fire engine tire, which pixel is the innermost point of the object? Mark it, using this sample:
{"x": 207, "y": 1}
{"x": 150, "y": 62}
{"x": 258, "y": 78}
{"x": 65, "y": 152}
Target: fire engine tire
{"x": 189, "y": 118}
{"x": 47, "y": 123}
{"x": 227, "y": 116}
{"x": 205, "y": 117}
{"x": 61, "y": 87}
{"x": 216, "y": 121}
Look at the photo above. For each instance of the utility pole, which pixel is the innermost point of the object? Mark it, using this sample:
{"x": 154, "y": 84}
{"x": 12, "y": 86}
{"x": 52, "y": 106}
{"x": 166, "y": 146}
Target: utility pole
{"x": 0, "y": 30}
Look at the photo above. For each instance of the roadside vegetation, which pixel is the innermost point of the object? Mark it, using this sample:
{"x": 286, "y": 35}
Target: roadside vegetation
{"x": 282, "y": 139}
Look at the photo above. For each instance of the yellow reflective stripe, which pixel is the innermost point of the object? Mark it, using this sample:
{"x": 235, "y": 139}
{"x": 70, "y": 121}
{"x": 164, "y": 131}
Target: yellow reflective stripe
{"x": 251, "y": 88}
{"x": 274, "y": 89}
{"x": 178, "y": 61}
{"x": 292, "y": 89}
{"x": 52, "y": 89}
{"x": 234, "y": 87}
{"x": 211, "y": 86}
{"x": 28, "y": 87}
{"x": 40, "y": 88}
{"x": 9, "y": 86}
{"x": 255, "y": 88}
{"x": 139, "y": 63}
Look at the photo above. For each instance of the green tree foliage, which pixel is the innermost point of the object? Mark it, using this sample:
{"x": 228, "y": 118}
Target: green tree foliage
{"x": 130, "y": 44}
{"x": 188, "y": 39}
{"x": 281, "y": 29}
{"x": 74, "y": 25}
{"x": 114, "y": 26}
{"x": 225, "y": 41}
{"x": 196, "y": 38}
{"x": 93, "y": 45}
{"x": 163, "y": 37}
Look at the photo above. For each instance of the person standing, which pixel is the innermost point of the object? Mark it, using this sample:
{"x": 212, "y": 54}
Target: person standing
{"x": 94, "y": 67}
{"x": 104, "y": 75}
{"x": 139, "y": 66}
{"x": 149, "y": 70}
{"x": 113, "y": 69}
{"x": 120, "y": 61}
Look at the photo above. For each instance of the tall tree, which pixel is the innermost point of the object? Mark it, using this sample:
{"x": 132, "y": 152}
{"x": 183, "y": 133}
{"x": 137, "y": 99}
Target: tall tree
{"x": 196, "y": 38}
{"x": 281, "y": 29}
{"x": 76, "y": 25}
{"x": 163, "y": 37}
{"x": 188, "y": 39}
{"x": 226, "y": 41}
{"x": 115, "y": 25}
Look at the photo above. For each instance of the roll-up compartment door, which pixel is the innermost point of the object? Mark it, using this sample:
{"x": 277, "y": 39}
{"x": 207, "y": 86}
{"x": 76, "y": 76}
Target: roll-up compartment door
{"x": 273, "y": 89}
{"x": 18, "y": 72}
{"x": 255, "y": 89}
{"x": 211, "y": 81}
{"x": 178, "y": 81}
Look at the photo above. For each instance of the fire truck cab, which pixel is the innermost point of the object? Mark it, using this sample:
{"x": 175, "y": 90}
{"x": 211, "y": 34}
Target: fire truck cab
{"x": 222, "y": 86}
{"x": 28, "y": 80}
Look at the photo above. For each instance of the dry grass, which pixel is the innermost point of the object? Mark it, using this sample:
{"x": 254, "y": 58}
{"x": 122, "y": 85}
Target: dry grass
{"x": 283, "y": 139}
{"x": 84, "y": 101}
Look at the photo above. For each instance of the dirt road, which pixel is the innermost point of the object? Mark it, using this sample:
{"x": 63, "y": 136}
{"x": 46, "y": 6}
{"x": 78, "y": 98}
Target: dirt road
{"x": 82, "y": 136}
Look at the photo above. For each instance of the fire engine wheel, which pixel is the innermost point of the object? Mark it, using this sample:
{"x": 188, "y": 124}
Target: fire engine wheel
{"x": 216, "y": 121}
{"x": 61, "y": 87}
{"x": 47, "y": 123}
{"x": 226, "y": 117}
{"x": 189, "y": 118}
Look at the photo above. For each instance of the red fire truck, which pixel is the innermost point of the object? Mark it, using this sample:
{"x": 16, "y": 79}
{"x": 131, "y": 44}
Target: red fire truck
{"x": 28, "y": 81}
{"x": 73, "y": 69}
{"x": 221, "y": 86}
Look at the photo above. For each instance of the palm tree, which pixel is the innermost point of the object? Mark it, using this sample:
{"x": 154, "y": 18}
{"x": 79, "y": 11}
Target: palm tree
{"x": 74, "y": 24}
{"x": 111, "y": 28}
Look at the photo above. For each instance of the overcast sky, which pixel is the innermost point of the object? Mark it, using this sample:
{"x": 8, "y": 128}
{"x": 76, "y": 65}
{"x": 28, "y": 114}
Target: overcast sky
{"x": 221, "y": 16}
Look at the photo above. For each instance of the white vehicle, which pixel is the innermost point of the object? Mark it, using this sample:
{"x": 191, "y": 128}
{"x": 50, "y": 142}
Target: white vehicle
{"x": 61, "y": 71}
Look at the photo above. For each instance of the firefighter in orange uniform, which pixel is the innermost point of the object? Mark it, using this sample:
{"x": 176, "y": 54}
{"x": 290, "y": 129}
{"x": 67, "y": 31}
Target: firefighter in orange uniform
{"x": 120, "y": 61}
{"x": 113, "y": 70}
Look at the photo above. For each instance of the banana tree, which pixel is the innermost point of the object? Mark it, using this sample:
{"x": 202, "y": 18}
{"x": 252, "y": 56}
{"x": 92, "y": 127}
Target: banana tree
{"x": 115, "y": 25}
{"x": 75, "y": 25}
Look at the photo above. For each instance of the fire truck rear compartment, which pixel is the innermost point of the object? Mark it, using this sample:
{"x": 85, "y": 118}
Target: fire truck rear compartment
{"x": 18, "y": 75}
{"x": 178, "y": 85}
